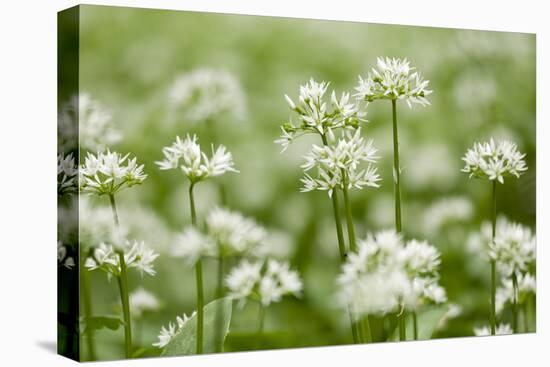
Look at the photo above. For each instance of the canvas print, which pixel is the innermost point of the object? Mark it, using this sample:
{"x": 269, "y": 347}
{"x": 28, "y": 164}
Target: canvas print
{"x": 235, "y": 183}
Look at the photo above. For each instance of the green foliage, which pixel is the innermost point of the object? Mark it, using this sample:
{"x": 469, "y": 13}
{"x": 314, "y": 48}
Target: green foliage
{"x": 101, "y": 322}
{"x": 428, "y": 320}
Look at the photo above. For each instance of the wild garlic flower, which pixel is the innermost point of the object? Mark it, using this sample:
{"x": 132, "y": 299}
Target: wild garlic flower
{"x": 513, "y": 248}
{"x": 387, "y": 274}
{"x": 67, "y": 174}
{"x": 452, "y": 209}
{"x": 85, "y": 121}
{"x": 142, "y": 301}
{"x": 108, "y": 173}
{"x": 136, "y": 255}
{"x": 62, "y": 256}
{"x": 167, "y": 333}
{"x": 195, "y": 164}
{"x": 266, "y": 282}
{"x": 527, "y": 285}
{"x": 318, "y": 115}
{"x": 494, "y": 161}
{"x": 339, "y": 165}
{"x": 394, "y": 79}
{"x": 192, "y": 245}
{"x": 207, "y": 95}
{"x": 502, "y": 329}
{"x": 233, "y": 233}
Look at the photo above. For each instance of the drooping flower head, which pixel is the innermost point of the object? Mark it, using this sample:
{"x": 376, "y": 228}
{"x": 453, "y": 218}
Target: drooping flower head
{"x": 167, "y": 333}
{"x": 67, "y": 172}
{"x": 342, "y": 165}
{"x": 109, "y": 172}
{"x": 318, "y": 114}
{"x": 266, "y": 282}
{"x": 207, "y": 95}
{"x": 494, "y": 161}
{"x": 194, "y": 163}
{"x": 394, "y": 79}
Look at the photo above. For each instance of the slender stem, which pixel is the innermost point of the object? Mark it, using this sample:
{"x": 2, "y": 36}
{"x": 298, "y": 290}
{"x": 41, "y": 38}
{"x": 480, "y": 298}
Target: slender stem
{"x": 261, "y": 317}
{"x": 493, "y": 263}
{"x": 198, "y": 278}
{"x": 123, "y": 286}
{"x": 219, "y": 295}
{"x": 366, "y": 330}
{"x": 514, "y": 303}
{"x": 415, "y": 325}
{"x": 396, "y": 169}
{"x": 87, "y": 305}
{"x": 402, "y": 326}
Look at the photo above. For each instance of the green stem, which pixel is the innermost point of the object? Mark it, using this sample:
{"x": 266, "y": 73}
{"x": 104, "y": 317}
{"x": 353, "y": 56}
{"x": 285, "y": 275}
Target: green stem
{"x": 366, "y": 330}
{"x": 415, "y": 325}
{"x": 396, "y": 169}
{"x": 514, "y": 303}
{"x": 493, "y": 263}
{"x": 261, "y": 317}
{"x": 219, "y": 295}
{"x": 402, "y": 326}
{"x": 198, "y": 279}
{"x": 123, "y": 287}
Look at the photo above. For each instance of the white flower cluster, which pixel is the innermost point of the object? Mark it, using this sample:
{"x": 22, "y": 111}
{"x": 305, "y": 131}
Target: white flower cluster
{"x": 85, "y": 121}
{"x": 109, "y": 172}
{"x": 194, "y": 163}
{"x": 136, "y": 255}
{"x": 502, "y": 329}
{"x": 266, "y": 282}
{"x": 142, "y": 301}
{"x": 527, "y": 286}
{"x": 494, "y": 160}
{"x": 394, "y": 79}
{"x": 513, "y": 248}
{"x": 386, "y": 274}
{"x": 446, "y": 210}
{"x": 67, "y": 172}
{"x": 227, "y": 233}
{"x": 339, "y": 165}
{"x": 167, "y": 333}
{"x": 206, "y": 95}
{"x": 316, "y": 117}
{"x": 62, "y": 256}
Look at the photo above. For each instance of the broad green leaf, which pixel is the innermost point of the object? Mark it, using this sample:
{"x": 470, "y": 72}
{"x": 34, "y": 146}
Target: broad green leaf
{"x": 100, "y": 322}
{"x": 427, "y": 320}
{"x": 184, "y": 342}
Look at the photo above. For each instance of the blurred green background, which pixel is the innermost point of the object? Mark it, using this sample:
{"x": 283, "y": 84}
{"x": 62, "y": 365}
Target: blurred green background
{"x": 483, "y": 83}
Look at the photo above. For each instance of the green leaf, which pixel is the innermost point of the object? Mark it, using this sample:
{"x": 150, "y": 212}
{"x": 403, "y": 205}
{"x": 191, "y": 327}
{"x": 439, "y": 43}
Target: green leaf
{"x": 100, "y": 322}
{"x": 427, "y": 321}
{"x": 184, "y": 342}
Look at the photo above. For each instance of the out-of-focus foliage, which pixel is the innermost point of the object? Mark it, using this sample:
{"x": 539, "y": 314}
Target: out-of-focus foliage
{"x": 483, "y": 83}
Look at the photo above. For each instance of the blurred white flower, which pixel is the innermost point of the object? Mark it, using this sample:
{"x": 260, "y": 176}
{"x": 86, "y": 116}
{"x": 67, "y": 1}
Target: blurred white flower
{"x": 513, "y": 248}
{"x": 192, "y": 244}
{"x": 394, "y": 79}
{"x": 263, "y": 282}
{"x": 67, "y": 174}
{"x": 386, "y": 274}
{"x": 502, "y": 329}
{"x": 142, "y": 301}
{"x": 206, "y": 95}
{"x": 339, "y": 165}
{"x": 108, "y": 173}
{"x": 62, "y": 258}
{"x": 167, "y": 333}
{"x": 315, "y": 115}
{"x": 195, "y": 164}
{"x": 527, "y": 285}
{"x": 446, "y": 210}
{"x": 494, "y": 160}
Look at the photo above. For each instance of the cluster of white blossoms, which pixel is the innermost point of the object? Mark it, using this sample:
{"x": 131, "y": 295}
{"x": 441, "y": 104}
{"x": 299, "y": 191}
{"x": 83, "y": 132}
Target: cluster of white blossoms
{"x": 502, "y": 329}
{"x": 67, "y": 172}
{"x": 263, "y": 281}
{"x": 62, "y": 256}
{"x": 227, "y": 233}
{"x": 340, "y": 165}
{"x": 85, "y": 121}
{"x": 136, "y": 255}
{"x": 316, "y": 117}
{"x": 194, "y": 163}
{"x": 142, "y": 301}
{"x": 494, "y": 161}
{"x": 109, "y": 172}
{"x": 206, "y": 95}
{"x": 167, "y": 333}
{"x": 527, "y": 286}
{"x": 386, "y": 275}
{"x": 446, "y": 210}
{"x": 513, "y": 248}
{"x": 393, "y": 79}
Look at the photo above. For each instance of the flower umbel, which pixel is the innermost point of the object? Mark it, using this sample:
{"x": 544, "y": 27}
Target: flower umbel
{"x": 67, "y": 180}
